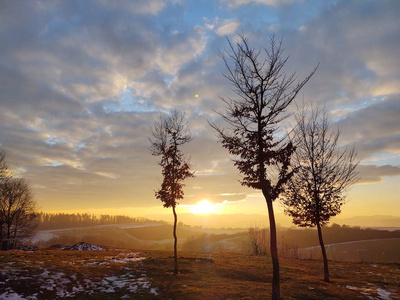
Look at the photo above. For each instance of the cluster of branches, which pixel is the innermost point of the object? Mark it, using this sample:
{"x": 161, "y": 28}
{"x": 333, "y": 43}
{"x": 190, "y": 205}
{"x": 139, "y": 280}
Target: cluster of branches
{"x": 18, "y": 213}
{"x": 324, "y": 170}
{"x": 63, "y": 220}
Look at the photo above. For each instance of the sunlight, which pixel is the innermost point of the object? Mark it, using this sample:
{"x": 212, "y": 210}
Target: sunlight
{"x": 203, "y": 207}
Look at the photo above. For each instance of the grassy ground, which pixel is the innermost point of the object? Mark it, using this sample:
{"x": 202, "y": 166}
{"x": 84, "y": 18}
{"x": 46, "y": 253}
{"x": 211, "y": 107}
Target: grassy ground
{"x": 236, "y": 276}
{"x": 123, "y": 274}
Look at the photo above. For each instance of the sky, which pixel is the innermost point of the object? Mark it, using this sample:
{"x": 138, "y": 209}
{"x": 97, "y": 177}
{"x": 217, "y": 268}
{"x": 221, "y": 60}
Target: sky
{"x": 82, "y": 83}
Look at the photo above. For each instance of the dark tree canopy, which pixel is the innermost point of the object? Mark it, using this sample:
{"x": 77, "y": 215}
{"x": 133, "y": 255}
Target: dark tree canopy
{"x": 325, "y": 171}
{"x": 169, "y": 135}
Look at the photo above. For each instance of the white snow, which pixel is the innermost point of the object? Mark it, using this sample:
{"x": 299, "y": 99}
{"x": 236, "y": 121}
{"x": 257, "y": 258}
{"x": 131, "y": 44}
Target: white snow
{"x": 10, "y": 296}
{"x": 82, "y": 246}
{"x": 383, "y": 294}
{"x": 132, "y": 280}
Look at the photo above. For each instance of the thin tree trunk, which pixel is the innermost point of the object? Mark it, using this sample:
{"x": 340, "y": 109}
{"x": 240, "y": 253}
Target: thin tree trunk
{"x": 175, "y": 241}
{"x": 325, "y": 258}
{"x": 276, "y": 293}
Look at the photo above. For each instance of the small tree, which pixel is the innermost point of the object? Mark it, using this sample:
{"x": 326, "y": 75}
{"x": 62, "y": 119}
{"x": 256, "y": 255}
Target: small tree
{"x": 169, "y": 135}
{"x": 18, "y": 216}
{"x": 4, "y": 170}
{"x": 325, "y": 171}
{"x": 264, "y": 92}
{"x": 258, "y": 240}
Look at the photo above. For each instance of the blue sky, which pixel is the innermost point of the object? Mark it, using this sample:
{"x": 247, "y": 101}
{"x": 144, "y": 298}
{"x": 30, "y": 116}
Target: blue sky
{"x": 83, "y": 81}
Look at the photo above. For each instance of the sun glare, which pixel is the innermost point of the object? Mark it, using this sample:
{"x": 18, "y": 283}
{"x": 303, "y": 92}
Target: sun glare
{"x": 203, "y": 207}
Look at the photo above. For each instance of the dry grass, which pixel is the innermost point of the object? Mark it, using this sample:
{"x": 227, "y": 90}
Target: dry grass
{"x": 115, "y": 274}
{"x": 237, "y": 276}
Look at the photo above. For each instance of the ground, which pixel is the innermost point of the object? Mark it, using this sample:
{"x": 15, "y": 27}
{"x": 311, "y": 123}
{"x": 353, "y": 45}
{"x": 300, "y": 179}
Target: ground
{"x": 126, "y": 274}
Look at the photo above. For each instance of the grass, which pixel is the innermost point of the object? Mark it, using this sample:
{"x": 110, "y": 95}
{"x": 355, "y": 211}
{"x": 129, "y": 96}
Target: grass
{"x": 118, "y": 274}
{"x": 237, "y": 276}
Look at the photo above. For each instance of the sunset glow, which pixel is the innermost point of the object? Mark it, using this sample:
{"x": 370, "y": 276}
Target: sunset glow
{"x": 203, "y": 207}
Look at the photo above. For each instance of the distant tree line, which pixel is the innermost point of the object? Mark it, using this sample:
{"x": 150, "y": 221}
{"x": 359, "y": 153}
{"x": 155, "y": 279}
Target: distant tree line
{"x": 62, "y": 220}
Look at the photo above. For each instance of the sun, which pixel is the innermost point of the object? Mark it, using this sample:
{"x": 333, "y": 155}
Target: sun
{"x": 203, "y": 207}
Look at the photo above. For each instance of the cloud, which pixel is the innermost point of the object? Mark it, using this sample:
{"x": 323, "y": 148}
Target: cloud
{"x": 152, "y": 7}
{"x": 355, "y": 45}
{"x": 82, "y": 84}
{"x": 228, "y": 27}
{"x": 375, "y": 128}
{"x": 236, "y": 3}
{"x": 374, "y": 174}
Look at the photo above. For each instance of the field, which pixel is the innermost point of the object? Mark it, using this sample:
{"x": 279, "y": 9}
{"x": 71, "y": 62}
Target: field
{"x": 128, "y": 274}
{"x": 343, "y": 244}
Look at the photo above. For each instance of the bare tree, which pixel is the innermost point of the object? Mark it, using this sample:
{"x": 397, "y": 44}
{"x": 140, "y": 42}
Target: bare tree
{"x": 325, "y": 170}
{"x": 169, "y": 135}
{"x": 4, "y": 175}
{"x": 264, "y": 92}
{"x": 4, "y": 170}
{"x": 18, "y": 211}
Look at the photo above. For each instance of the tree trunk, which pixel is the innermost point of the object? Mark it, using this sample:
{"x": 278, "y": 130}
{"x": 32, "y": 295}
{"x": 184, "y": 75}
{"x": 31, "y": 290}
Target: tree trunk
{"x": 325, "y": 258}
{"x": 175, "y": 241}
{"x": 276, "y": 293}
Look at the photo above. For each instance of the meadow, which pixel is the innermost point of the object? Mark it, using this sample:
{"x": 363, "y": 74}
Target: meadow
{"x": 127, "y": 274}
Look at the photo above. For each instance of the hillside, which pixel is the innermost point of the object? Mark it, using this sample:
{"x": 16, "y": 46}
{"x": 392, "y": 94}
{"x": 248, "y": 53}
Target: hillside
{"x": 125, "y": 274}
{"x": 343, "y": 242}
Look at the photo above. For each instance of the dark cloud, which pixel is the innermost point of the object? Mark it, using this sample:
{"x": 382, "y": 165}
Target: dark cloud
{"x": 375, "y": 128}
{"x": 373, "y": 174}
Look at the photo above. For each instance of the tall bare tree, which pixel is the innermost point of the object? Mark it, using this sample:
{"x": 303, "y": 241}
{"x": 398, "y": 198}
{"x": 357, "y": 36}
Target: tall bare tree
{"x": 264, "y": 92}
{"x": 169, "y": 135}
{"x": 325, "y": 170}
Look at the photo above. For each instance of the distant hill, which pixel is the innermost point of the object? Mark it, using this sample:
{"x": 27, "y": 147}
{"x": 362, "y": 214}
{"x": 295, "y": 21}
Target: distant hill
{"x": 369, "y": 221}
{"x": 259, "y": 220}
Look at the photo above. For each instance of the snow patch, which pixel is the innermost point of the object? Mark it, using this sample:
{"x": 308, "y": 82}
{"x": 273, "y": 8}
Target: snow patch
{"x": 383, "y": 294}
{"x": 60, "y": 285}
{"x": 82, "y": 246}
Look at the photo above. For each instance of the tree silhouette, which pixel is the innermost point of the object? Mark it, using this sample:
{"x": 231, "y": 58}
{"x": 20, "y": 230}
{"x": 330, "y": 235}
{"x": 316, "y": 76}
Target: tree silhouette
{"x": 18, "y": 214}
{"x": 168, "y": 136}
{"x": 4, "y": 171}
{"x": 324, "y": 172}
{"x": 264, "y": 92}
